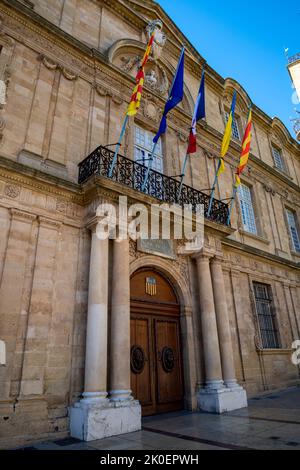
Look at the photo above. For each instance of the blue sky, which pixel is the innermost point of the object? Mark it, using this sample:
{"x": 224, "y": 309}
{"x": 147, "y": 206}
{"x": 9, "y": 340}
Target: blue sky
{"x": 245, "y": 41}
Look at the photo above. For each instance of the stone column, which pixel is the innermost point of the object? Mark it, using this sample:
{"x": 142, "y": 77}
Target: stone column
{"x": 223, "y": 323}
{"x": 215, "y": 397}
{"x": 96, "y": 417}
{"x": 95, "y": 381}
{"x": 120, "y": 323}
{"x": 212, "y": 359}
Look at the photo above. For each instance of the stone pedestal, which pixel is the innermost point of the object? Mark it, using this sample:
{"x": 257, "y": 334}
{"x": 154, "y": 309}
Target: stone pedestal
{"x": 222, "y": 400}
{"x": 92, "y": 421}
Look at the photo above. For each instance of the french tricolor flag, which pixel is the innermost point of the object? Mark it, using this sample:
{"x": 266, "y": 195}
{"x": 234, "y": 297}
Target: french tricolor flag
{"x": 199, "y": 113}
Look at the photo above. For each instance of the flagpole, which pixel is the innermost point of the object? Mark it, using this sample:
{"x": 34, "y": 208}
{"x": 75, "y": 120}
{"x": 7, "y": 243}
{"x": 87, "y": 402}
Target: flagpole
{"x": 213, "y": 189}
{"x": 149, "y": 167}
{"x": 111, "y": 169}
{"x": 234, "y": 193}
{"x": 194, "y": 124}
{"x": 182, "y": 176}
{"x": 235, "y": 188}
{"x": 155, "y": 144}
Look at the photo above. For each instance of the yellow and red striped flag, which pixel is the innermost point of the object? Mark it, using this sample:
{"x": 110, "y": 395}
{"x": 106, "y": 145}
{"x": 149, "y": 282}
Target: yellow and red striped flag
{"x": 246, "y": 145}
{"x": 227, "y": 136}
{"x": 137, "y": 92}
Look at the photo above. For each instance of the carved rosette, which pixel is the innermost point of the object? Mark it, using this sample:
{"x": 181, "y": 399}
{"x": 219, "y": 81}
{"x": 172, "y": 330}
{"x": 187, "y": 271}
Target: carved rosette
{"x": 12, "y": 191}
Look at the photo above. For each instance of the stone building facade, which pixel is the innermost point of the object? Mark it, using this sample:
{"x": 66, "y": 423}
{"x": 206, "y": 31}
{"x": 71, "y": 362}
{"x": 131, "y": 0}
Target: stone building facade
{"x": 67, "y": 71}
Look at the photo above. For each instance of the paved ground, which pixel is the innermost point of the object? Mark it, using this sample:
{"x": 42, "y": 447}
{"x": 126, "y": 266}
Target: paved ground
{"x": 270, "y": 422}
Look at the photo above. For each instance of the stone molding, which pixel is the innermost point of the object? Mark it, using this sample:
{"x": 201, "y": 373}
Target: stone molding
{"x": 18, "y": 214}
{"x": 49, "y": 223}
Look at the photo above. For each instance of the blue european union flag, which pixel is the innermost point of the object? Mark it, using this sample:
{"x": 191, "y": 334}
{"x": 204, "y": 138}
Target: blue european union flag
{"x": 175, "y": 96}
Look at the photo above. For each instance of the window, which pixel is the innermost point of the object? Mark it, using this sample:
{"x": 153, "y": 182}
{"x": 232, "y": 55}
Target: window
{"x": 291, "y": 218}
{"x": 266, "y": 316}
{"x": 235, "y": 126}
{"x": 277, "y": 155}
{"x": 143, "y": 144}
{"x": 248, "y": 217}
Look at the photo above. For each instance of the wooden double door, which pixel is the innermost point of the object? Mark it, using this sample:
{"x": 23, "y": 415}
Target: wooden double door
{"x": 155, "y": 356}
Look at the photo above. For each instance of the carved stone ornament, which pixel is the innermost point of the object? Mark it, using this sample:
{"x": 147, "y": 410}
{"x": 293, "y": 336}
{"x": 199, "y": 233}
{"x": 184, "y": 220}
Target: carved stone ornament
{"x": 155, "y": 75}
{"x": 151, "y": 79}
{"x": 48, "y": 63}
{"x": 117, "y": 99}
{"x": 182, "y": 137}
{"x": 68, "y": 74}
{"x": 101, "y": 90}
{"x": 61, "y": 206}
{"x": 159, "y": 37}
{"x": 52, "y": 65}
{"x": 270, "y": 190}
{"x": 12, "y": 191}
{"x": 150, "y": 111}
{"x": 130, "y": 62}
{"x": 156, "y": 78}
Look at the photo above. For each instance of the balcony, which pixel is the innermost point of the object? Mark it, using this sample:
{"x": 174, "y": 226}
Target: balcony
{"x": 162, "y": 187}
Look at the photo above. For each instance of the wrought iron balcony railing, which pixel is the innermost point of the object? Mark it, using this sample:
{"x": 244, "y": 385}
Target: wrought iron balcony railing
{"x": 159, "y": 186}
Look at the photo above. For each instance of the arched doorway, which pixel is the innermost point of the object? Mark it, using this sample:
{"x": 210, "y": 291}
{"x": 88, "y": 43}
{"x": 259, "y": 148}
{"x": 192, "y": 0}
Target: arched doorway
{"x": 156, "y": 366}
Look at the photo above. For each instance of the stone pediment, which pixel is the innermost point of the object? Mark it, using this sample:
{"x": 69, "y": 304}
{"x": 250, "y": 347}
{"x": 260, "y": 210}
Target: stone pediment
{"x": 126, "y": 54}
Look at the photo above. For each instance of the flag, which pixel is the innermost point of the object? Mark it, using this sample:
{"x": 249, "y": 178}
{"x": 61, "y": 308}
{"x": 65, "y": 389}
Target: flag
{"x": 227, "y": 136}
{"x": 175, "y": 96}
{"x": 245, "y": 150}
{"x": 140, "y": 78}
{"x": 199, "y": 113}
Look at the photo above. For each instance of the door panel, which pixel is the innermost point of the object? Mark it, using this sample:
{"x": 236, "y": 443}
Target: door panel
{"x": 141, "y": 360}
{"x": 168, "y": 365}
{"x": 156, "y": 371}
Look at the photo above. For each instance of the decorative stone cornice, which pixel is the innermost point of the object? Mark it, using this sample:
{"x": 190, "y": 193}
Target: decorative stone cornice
{"x": 16, "y": 174}
{"x": 262, "y": 254}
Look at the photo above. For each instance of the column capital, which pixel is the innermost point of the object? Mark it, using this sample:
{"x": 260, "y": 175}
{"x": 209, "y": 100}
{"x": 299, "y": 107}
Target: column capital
{"x": 218, "y": 259}
{"x": 49, "y": 223}
{"x": 203, "y": 255}
{"x": 92, "y": 224}
{"x": 18, "y": 214}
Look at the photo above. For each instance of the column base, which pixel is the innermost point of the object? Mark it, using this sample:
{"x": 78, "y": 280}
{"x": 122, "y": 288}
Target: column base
{"x": 222, "y": 400}
{"x": 92, "y": 421}
{"x": 120, "y": 395}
